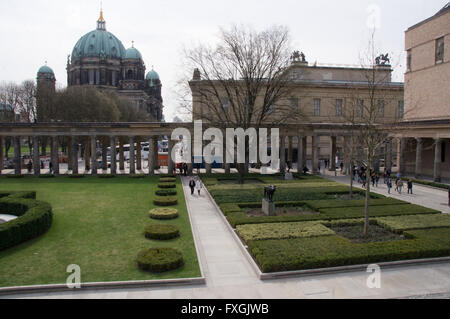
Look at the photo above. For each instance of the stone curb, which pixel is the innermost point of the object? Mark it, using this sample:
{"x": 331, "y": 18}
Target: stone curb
{"x": 101, "y": 285}
{"x": 320, "y": 271}
{"x": 116, "y": 284}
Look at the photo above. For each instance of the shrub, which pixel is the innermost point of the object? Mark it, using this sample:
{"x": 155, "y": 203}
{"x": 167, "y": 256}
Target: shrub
{"x": 167, "y": 185}
{"x": 333, "y": 251}
{"x": 399, "y": 224}
{"x": 162, "y": 232}
{"x": 167, "y": 180}
{"x": 106, "y": 176}
{"x": 167, "y": 176}
{"x": 163, "y": 213}
{"x": 166, "y": 192}
{"x": 46, "y": 176}
{"x": 76, "y": 176}
{"x": 34, "y": 218}
{"x": 159, "y": 259}
{"x": 282, "y": 231}
{"x": 15, "y": 176}
{"x": 392, "y": 210}
{"x": 165, "y": 201}
{"x": 336, "y": 203}
{"x": 138, "y": 176}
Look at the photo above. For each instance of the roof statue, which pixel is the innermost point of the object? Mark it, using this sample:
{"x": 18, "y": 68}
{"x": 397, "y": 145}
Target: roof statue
{"x": 383, "y": 59}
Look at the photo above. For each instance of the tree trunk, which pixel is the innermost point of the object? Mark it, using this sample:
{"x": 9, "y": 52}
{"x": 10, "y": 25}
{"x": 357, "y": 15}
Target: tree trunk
{"x": 351, "y": 180}
{"x": 367, "y": 200}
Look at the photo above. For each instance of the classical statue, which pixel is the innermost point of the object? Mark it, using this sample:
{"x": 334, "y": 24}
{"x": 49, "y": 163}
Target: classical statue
{"x": 298, "y": 56}
{"x": 269, "y": 191}
{"x": 383, "y": 59}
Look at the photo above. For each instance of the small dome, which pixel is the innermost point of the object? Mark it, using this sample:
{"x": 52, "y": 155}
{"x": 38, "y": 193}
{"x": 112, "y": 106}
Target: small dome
{"x": 133, "y": 53}
{"x": 46, "y": 70}
{"x": 152, "y": 75}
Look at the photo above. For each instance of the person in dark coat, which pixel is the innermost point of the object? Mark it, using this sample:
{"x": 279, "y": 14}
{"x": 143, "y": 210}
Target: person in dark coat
{"x": 192, "y": 186}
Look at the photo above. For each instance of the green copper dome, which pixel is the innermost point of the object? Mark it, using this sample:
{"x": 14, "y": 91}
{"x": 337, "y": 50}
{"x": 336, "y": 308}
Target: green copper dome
{"x": 99, "y": 43}
{"x": 153, "y": 77}
{"x": 133, "y": 53}
{"x": 45, "y": 69}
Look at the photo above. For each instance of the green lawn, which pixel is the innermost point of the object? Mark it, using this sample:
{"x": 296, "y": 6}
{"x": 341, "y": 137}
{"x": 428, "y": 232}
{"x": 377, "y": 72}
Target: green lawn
{"x": 99, "y": 225}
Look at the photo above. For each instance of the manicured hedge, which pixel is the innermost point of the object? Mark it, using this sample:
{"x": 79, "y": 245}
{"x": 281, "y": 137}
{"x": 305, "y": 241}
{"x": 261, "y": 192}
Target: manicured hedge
{"x": 76, "y": 176}
{"x": 159, "y": 260}
{"x": 282, "y": 231}
{"x": 161, "y": 232}
{"x": 433, "y": 184}
{"x": 163, "y": 213}
{"x": 166, "y": 192}
{"x": 167, "y": 175}
{"x": 34, "y": 218}
{"x": 376, "y": 211}
{"x": 167, "y": 185}
{"x": 336, "y": 203}
{"x": 399, "y": 224}
{"x": 167, "y": 180}
{"x": 15, "y": 176}
{"x": 165, "y": 201}
{"x": 333, "y": 251}
{"x": 106, "y": 176}
{"x": 46, "y": 176}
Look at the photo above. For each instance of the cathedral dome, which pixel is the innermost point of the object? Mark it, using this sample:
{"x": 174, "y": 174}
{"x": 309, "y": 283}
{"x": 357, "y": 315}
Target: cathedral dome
{"x": 45, "y": 70}
{"x": 133, "y": 53}
{"x": 153, "y": 77}
{"x": 99, "y": 43}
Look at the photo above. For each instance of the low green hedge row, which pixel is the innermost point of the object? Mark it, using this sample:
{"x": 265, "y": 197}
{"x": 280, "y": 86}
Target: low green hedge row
{"x": 106, "y": 176}
{"x": 166, "y": 192}
{"x": 332, "y": 251}
{"x": 161, "y": 232}
{"x": 15, "y": 176}
{"x": 167, "y": 185}
{"x": 138, "y": 176}
{"x": 163, "y": 213}
{"x": 76, "y": 176}
{"x": 429, "y": 183}
{"x": 159, "y": 260}
{"x": 165, "y": 201}
{"x": 167, "y": 180}
{"x": 34, "y": 218}
{"x": 376, "y": 211}
{"x": 46, "y": 176}
{"x": 18, "y": 194}
{"x": 336, "y": 203}
{"x": 398, "y": 224}
{"x": 282, "y": 230}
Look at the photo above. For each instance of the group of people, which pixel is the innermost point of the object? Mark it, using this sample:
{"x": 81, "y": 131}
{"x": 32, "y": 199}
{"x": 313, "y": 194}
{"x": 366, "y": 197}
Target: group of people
{"x": 361, "y": 175}
{"x": 195, "y": 183}
{"x": 183, "y": 168}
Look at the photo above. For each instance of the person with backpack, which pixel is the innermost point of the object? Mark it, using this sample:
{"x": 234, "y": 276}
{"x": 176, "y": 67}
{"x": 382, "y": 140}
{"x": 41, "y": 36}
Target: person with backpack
{"x": 410, "y": 185}
{"x": 389, "y": 185}
{"x": 400, "y": 185}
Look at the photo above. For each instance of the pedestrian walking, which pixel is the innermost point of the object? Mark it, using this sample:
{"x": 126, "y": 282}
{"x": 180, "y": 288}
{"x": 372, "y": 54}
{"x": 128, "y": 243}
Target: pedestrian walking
{"x": 199, "y": 186}
{"x": 389, "y": 185}
{"x": 185, "y": 168}
{"x": 50, "y": 166}
{"x": 29, "y": 166}
{"x": 377, "y": 179}
{"x": 400, "y": 186}
{"x": 192, "y": 186}
{"x": 410, "y": 185}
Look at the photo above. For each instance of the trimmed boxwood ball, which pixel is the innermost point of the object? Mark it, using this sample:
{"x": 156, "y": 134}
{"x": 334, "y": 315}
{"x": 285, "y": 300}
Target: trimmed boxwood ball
{"x": 167, "y": 185}
{"x": 163, "y": 213}
{"x": 159, "y": 259}
{"x": 165, "y": 201}
{"x": 162, "y": 232}
{"x": 167, "y": 180}
{"x": 166, "y": 192}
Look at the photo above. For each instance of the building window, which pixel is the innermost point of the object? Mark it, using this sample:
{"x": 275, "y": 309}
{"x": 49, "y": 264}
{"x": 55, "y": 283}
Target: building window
{"x": 440, "y": 50}
{"x": 381, "y": 108}
{"x": 294, "y": 103}
{"x": 400, "y": 109}
{"x": 339, "y": 107}
{"x": 360, "y": 108}
{"x": 316, "y": 107}
{"x": 225, "y": 102}
{"x": 91, "y": 77}
{"x": 409, "y": 60}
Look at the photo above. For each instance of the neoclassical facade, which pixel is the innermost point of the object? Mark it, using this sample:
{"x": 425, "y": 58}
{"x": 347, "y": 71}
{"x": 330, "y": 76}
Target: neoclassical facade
{"x": 425, "y": 132}
{"x": 99, "y": 59}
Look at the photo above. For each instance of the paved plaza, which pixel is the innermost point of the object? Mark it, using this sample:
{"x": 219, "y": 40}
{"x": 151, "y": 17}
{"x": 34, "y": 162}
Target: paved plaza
{"x": 229, "y": 273}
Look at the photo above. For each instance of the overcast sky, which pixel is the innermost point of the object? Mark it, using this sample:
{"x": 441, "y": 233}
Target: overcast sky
{"x": 33, "y": 32}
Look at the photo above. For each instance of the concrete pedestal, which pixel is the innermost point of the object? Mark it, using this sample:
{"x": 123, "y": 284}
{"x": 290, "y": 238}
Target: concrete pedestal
{"x": 268, "y": 207}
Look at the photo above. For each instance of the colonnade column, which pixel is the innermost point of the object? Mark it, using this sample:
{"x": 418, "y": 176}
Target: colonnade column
{"x": 132, "y": 156}
{"x": 388, "y": 161}
{"x": 121, "y": 155}
{"x": 315, "y": 154}
{"x": 401, "y": 156}
{"x": 290, "y": 157}
{"x": 105, "y": 154}
{"x": 283, "y": 153}
{"x": 69, "y": 152}
{"x": 138, "y": 154}
{"x": 1, "y": 154}
{"x": 347, "y": 155}
{"x": 93, "y": 155}
{"x": 155, "y": 154}
{"x": 170, "y": 164}
{"x": 300, "y": 158}
{"x": 419, "y": 148}
{"x": 113, "y": 154}
{"x": 74, "y": 156}
{"x": 55, "y": 155}
{"x": 151, "y": 157}
{"x": 437, "y": 160}
{"x": 332, "y": 153}
{"x": 17, "y": 156}
{"x": 304, "y": 150}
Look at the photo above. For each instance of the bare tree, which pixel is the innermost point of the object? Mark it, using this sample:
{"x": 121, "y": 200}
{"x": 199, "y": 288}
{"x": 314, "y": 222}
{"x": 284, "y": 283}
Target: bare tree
{"x": 242, "y": 82}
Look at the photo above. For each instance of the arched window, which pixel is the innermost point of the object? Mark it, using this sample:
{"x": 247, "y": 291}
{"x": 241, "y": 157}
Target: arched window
{"x": 130, "y": 74}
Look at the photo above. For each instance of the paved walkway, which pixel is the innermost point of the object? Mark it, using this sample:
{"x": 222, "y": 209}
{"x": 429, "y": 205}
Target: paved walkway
{"x": 229, "y": 274}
